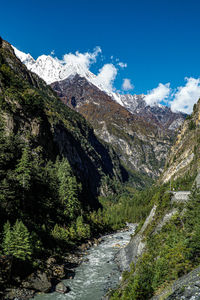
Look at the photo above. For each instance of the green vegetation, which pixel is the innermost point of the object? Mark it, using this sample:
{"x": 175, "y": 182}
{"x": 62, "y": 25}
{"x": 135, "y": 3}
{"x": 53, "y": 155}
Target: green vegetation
{"x": 129, "y": 206}
{"x": 17, "y": 241}
{"x": 69, "y": 190}
{"x": 183, "y": 183}
{"x": 51, "y": 171}
{"x": 170, "y": 253}
{"x": 41, "y": 201}
{"x": 191, "y": 125}
{"x": 51, "y": 168}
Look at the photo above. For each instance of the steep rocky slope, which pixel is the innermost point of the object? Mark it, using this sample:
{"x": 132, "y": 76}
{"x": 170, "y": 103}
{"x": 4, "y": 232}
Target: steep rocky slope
{"x": 141, "y": 140}
{"x": 186, "y": 287}
{"x": 29, "y": 108}
{"x": 184, "y": 155}
{"x": 158, "y": 114}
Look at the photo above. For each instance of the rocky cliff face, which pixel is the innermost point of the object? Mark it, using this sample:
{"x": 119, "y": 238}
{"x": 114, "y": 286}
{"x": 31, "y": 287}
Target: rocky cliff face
{"x": 141, "y": 140}
{"x": 30, "y": 109}
{"x": 158, "y": 114}
{"x": 186, "y": 287}
{"x": 184, "y": 155}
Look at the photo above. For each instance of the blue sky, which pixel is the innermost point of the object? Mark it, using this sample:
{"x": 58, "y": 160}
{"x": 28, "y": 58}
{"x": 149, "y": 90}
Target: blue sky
{"x": 158, "y": 39}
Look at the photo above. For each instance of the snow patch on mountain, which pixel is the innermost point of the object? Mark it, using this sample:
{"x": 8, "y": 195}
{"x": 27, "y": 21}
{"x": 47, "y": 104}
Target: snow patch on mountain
{"x": 26, "y": 59}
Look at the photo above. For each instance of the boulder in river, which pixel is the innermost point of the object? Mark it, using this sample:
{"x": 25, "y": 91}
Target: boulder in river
{"x": 119, "y": 237}
{"x": 61, "y": 288}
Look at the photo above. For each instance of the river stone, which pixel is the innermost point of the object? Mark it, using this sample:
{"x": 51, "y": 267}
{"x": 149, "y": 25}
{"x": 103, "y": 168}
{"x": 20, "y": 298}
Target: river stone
{"x": 59, "y": 271}
{"x": 61, "y": 288}
{"x": 119, "y": 237}
{"x": 37, "y": 281}
{"x": 51, "y": 261}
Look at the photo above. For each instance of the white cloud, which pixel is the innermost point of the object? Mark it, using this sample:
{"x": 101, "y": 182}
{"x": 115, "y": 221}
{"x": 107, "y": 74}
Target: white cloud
{"x": 158, "y": 94}
{"x": 122, "y": 65}
{"x": 127, "y": 85}
{"x": 83, "y": 59}
{"x": 107, "y": 76}
{"x": 186, "y": 96}
{"x": 52, "y": 52}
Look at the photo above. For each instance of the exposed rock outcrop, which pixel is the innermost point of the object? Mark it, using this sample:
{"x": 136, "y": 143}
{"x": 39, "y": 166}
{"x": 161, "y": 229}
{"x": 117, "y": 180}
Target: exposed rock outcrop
{"x": 133, "y": 251}
{"x": 185, "y": 288}
{"x": 185, "y": 154}
{"x": 37, "y": 281}
{"x": 136, "y": 246}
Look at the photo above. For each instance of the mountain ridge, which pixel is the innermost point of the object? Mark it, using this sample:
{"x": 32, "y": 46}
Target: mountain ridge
{"x": 51, "y": 70}
{"x": 141, "y": 143}
{"x": 140, "y": 134}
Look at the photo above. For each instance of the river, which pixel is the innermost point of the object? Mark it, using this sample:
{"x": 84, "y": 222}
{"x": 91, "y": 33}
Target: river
{"x": 96, "y": 275}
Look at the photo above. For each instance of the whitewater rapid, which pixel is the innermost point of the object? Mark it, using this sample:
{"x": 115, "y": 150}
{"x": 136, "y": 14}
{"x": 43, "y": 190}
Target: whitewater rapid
{"x": 99, "y": 271}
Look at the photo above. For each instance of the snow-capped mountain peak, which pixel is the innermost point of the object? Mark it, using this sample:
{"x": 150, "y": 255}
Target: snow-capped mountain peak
{"x": 51, "y": 69}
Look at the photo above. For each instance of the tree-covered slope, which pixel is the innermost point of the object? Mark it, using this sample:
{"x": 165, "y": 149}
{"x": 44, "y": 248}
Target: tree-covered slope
{"x": 52, "y": 170}
{"x": 166, "y": 245}
{"x": 30, "y": 109}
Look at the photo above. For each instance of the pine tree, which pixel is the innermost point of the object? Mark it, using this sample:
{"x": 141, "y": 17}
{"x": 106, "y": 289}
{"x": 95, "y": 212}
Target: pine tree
{"x": 7, "y": 244}
{"x": 17, "y": 241}
{"x": 68, "y": 190}
{"x": 24, "y": 169}
{"x": 82, "y": 229}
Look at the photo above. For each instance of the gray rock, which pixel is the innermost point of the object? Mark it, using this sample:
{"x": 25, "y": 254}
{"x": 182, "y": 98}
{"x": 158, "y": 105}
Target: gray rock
{"x": 61, "y": 288}
{"x": 119, "y": 237}
{"x": 180, "y": 197}
{"x": 136, "y": 246}
{"x": 185, "y": 288}
{"x": 130, "y": 253}
{"x": 197, "y": 180}
{"x": 37, "y": 281}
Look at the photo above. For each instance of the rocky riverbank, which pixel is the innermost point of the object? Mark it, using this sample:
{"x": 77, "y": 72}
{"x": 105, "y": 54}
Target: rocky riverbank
{"x": 98, "y": 271}
{"x": 46, "y": 279}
